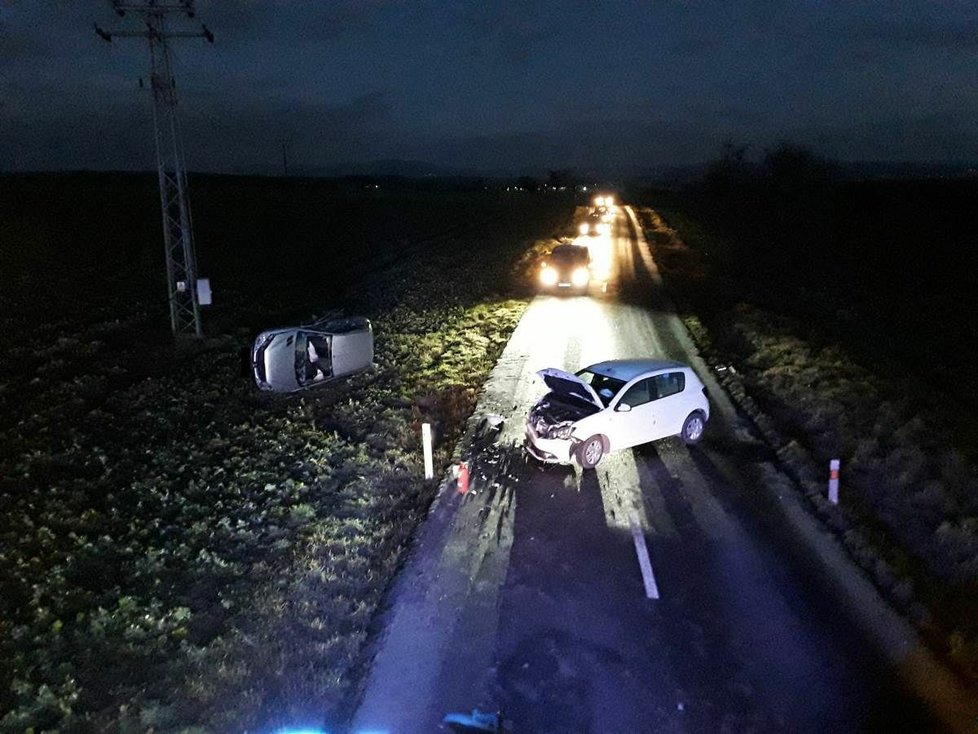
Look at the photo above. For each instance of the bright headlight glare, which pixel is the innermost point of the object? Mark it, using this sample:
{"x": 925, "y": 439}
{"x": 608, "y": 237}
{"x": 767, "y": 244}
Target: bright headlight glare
{"x": 548, "y": 276}
{"x": 583, "y": 228}
{"x": 579, "y": 277}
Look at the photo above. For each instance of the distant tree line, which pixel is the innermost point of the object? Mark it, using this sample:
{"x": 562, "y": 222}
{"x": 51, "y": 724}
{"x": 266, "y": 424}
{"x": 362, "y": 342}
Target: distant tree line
{"x": 778, "y": 211}
{"x": 794, "y": 217}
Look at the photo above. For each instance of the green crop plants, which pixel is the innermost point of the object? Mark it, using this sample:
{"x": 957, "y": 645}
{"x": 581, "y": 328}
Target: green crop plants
{"x": 180, "y": 553}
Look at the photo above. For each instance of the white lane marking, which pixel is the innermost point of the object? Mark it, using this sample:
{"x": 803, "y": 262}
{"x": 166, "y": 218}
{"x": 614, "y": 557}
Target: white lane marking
{"x": 644, "y": 562}
{"x": 621, "y": 496}
{"x": 643, "y": 248}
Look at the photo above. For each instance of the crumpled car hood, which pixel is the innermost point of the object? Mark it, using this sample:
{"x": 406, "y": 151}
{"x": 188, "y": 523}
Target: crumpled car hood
{"x": 569, "y": 386}
{"x": 554, "y": 408}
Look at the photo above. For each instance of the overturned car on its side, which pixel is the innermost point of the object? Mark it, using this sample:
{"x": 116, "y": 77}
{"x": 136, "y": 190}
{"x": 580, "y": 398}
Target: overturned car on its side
{"x": 298, "y": 357}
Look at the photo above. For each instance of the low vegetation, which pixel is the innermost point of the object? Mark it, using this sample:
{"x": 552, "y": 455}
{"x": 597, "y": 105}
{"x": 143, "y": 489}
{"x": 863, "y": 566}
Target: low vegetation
{"x": 909, "y": 499}
{"x": 178, "y": 551}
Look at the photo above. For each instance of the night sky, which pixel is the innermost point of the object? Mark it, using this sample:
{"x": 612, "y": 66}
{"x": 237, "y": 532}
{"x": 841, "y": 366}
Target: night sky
{"x": 495, "y": 87}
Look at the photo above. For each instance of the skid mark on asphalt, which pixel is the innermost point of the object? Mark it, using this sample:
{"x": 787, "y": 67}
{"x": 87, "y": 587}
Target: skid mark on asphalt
{"x": 624, "y": 507}
{"x": 688, "y": 493}
{"x": 621, "y": 493}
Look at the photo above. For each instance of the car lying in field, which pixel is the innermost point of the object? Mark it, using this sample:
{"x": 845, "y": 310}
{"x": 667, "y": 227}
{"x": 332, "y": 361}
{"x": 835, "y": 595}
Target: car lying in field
{"x": 566, "y": 267}
{"x": 299, "y": 357}
{"x": 614, "y": 405}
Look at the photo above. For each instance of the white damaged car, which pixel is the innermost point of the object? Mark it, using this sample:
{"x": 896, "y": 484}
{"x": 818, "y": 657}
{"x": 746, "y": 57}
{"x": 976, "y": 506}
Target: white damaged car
{"x": 615, "y": 405}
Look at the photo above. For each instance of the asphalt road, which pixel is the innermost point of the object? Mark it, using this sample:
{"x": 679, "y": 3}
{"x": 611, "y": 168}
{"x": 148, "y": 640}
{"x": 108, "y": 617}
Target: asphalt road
{"x": 527, "y": 596}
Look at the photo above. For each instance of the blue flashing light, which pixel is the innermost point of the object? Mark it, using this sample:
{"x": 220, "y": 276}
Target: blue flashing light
{"x": 323, "y": 731}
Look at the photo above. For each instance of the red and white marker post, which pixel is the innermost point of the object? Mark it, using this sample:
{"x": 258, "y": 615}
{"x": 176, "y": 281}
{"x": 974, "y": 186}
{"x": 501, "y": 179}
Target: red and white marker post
{"x": 834, "y": 481}
{"x": 462, "y": 483}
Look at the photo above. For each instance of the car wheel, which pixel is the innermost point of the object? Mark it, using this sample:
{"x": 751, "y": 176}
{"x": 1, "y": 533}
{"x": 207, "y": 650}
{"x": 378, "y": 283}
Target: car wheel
{"x": 693, "y": 428}
{"x": 589, "y": 453}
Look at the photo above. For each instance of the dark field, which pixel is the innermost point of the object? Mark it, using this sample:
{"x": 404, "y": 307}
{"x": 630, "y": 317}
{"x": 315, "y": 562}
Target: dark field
{"x": 856, "y": 346}
{"x": 888, "y": 265}
{"x": 177, "y": 550}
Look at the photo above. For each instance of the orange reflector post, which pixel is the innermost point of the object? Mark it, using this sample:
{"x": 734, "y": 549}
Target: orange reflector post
{"x": 463, "y": 478}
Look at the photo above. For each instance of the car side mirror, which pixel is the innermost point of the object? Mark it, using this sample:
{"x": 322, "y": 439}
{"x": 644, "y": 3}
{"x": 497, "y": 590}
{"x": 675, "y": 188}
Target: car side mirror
{"x": 623, "y": 408}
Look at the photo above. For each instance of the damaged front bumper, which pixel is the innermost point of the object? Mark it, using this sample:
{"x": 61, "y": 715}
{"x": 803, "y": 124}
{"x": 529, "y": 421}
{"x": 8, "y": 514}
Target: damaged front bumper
{"x": 549, "y": 450}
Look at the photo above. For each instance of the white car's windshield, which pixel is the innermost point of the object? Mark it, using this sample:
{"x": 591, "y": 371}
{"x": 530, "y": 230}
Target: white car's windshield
{"x": 605, "y": 387}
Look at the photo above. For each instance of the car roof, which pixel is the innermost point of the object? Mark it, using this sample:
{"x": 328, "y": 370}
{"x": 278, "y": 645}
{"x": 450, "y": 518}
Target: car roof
{"x": 627, "y": 369}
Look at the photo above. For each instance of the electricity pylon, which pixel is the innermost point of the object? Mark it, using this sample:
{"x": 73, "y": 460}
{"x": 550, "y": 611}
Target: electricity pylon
{"x": 178, "y": 235}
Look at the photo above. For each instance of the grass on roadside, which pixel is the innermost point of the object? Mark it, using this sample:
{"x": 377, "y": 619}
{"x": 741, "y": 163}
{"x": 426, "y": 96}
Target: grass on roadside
{"x": 909, "y": 510}
{"x": 183, "y": 553}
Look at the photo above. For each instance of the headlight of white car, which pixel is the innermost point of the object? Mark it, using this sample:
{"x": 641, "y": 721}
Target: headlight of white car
{"x": 580, "y": 277}
{"x": 548, "y": 276}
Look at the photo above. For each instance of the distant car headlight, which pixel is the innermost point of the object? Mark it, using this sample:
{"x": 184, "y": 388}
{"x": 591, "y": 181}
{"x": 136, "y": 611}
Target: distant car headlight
{"x": 548, "y": 276}
{"x": 583, "y": 228}
{"x": 580, "y": 277}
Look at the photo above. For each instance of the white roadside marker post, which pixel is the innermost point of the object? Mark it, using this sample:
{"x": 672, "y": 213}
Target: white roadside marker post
{"x": 429, "y": 467}
{"x": 834, "y": 481}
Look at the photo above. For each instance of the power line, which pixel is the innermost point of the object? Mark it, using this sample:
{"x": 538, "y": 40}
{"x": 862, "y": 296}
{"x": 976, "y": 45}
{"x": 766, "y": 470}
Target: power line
{"x": 178, "y": 238}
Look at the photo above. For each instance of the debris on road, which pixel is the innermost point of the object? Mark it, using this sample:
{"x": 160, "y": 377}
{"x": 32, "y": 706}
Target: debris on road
{"x": 476, "y": 721}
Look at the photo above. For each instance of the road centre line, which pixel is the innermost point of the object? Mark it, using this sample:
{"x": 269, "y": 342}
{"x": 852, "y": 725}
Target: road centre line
{"x": 644, "y": 562}
{"x": 621, "y": 495}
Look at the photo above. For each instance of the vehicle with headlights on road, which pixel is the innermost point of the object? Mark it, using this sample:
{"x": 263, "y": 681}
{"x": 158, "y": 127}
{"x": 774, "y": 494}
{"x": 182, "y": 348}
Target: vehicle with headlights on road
{"x": 295, "y": 358}
{"x": 615, "y": 405}
{"x": 591, "y": 226}
{"x": 566, "y": 268}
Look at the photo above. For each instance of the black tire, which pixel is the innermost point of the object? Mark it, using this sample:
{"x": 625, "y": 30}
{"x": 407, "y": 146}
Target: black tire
{"x": 693, "y": 428}
{"x": 589, "y": 452}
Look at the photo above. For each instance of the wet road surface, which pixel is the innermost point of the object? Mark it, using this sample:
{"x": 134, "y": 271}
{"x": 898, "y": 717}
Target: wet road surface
{"x": 526, "y": 595}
